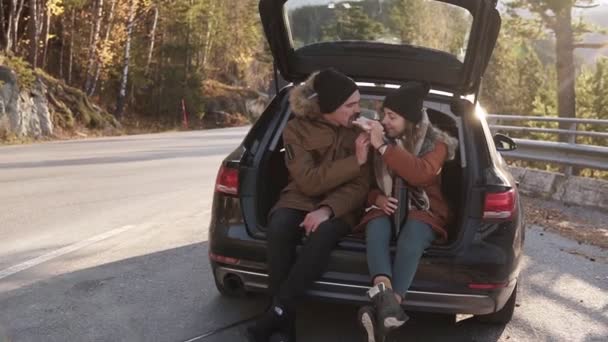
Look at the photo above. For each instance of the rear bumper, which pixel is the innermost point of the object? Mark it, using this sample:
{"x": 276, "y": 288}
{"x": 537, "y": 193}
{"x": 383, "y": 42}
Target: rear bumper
{"x": 450, "y": 303}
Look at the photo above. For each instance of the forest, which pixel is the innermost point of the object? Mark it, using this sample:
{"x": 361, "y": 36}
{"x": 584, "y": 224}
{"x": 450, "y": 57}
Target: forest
{"x": 156, "y": 59}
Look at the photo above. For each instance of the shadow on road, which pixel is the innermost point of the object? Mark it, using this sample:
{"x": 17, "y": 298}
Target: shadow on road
{"x": 170, "y": 296}
{"x": 163, "y": 296}
{"x": 334, "y": 322}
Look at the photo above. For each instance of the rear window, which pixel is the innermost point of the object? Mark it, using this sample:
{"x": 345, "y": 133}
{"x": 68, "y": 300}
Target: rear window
{"x": 371, "y": 106}
{"x": 424, "y": 23}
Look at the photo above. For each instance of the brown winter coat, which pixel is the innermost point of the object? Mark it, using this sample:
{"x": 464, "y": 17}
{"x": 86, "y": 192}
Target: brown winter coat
{"x": 320, "y": 157}
{"x": 424, "y": 172}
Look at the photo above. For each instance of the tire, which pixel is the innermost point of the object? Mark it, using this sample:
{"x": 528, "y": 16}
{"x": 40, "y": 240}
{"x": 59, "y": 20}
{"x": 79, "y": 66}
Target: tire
{"x": 502, "y": 316}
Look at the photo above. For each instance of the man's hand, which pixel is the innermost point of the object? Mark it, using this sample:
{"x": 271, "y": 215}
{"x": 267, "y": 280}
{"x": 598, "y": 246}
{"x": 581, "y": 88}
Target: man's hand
{"x": 313, "y": 219}
{"x": 376, "y": 134}
{"x": 362, "y": 148}
{"x": 387, "y": 204}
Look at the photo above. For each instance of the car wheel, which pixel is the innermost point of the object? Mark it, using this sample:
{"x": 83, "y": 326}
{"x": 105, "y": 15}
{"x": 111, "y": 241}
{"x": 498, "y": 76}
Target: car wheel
{"x": 502, "y": 316}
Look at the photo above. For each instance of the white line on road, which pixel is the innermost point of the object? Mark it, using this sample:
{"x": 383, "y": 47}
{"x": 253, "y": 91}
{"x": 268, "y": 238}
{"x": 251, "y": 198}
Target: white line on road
{"x": 62, "y": 251}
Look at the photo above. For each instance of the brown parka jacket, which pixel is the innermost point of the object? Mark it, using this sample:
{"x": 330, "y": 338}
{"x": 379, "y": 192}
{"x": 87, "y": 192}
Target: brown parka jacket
{"x": 320, "y": 157}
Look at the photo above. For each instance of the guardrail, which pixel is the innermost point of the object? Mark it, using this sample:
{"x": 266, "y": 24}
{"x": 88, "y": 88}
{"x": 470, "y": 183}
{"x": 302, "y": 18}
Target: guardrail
{"x": 569, "y": 154}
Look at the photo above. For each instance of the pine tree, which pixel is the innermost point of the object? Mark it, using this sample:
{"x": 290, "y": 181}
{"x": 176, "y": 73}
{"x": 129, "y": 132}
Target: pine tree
{"x": 352, "y": 24}
{"x": 556, "y": 16}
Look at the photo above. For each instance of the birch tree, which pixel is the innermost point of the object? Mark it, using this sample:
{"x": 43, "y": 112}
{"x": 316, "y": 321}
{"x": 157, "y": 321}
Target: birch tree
{"x": 122, "y": 93}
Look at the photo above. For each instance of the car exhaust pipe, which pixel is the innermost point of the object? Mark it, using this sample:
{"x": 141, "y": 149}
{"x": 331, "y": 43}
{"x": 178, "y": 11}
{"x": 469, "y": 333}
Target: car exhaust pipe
{"x": 233, "y": 284}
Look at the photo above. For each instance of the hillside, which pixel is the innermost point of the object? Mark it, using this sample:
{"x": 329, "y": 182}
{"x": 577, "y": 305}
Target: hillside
{"x": 597, "y": 16}
{"x": 36, "y": 105}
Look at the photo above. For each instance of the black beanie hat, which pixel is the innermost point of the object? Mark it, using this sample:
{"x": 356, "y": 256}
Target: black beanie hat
{"x": 407, "y": 101}
{"x": 332, "y": 89}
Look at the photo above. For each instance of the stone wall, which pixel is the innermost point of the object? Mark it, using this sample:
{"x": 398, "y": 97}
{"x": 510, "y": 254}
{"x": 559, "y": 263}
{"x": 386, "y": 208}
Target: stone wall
{"x": 588, "y": 192}
{"x": 25, "y": 113}
{"x": 47, "y": 107}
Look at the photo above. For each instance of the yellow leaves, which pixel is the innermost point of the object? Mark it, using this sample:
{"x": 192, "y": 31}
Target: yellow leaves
{"x": 56, "y": 7}
{"x": 244, "y": 57}
{"x": 106, "y": 54}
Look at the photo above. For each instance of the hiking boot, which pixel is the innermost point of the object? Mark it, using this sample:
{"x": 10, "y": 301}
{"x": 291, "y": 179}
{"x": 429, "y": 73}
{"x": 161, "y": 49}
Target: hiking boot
{"x": 275, "y": 319}
{"x": 389, "y": 314}
{"x": 367, "y": 319}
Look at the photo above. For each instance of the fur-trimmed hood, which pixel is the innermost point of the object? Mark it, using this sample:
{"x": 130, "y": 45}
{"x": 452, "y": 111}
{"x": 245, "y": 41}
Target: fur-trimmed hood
{"x": 425, "y": 135}
{"x": 303, "y": 101}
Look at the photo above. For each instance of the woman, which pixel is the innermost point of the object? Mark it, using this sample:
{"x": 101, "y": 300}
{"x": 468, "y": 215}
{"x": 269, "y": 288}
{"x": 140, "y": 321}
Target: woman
{"x": 410, "y": 151}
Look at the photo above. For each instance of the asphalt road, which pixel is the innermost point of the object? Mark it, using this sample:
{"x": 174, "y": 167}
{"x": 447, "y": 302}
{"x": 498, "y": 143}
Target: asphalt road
{"x": 106, "y": 240}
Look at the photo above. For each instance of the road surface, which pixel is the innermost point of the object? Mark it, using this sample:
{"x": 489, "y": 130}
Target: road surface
{"x": 106, "y": 240}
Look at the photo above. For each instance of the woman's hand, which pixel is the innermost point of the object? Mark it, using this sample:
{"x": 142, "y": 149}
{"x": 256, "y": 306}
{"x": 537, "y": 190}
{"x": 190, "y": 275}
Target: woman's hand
{"x": 376, "y": 134}
{"x": 387, "y": 204}
{"x": 362, "y": 148}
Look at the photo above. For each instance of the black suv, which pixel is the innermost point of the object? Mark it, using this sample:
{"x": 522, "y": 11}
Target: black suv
{"x": 477, "y": 271}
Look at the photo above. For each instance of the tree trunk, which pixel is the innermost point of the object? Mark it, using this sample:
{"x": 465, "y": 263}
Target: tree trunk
{"x": 187, "y": 54}
{"x": 197, "y": 59}
{"x": 33, "y": 29}
{"x": 71, "y": 58}
{"x": 122, "y": 93}
{"x": 157, "y": 77}
{"x": 62, "y": 47}
{"x": 16, "y": 19}
{"x": 93, "y": 46}
{"x": 40, "y": 10}
{"x": 2, "y": 25}
{"x": 8, "y": 34}
{"x": 106, "y": 37}
{"x": 566, "y": 98}
{"x": 47, "y": 28}
{"x": 152, "y": 40}
{"x": 208, "y": 41}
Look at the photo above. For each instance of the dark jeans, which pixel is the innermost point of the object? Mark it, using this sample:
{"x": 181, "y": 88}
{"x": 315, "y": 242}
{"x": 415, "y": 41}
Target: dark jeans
{"x": 291, "y": 276}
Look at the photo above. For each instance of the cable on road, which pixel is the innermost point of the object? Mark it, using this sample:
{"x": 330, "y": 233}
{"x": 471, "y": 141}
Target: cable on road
{"x": 224, "y": 328}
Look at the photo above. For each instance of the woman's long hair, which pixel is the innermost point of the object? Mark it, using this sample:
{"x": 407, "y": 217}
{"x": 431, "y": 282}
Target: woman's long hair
{"x": 408, "y": 136}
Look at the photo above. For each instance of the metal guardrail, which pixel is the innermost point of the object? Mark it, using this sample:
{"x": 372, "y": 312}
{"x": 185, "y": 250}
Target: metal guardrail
{"x": 550, "y": 130}
{"x": 503, "y": 117}
{"x": 568, "y": 153}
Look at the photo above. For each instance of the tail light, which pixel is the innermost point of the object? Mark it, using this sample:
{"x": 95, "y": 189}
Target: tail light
{"x": 500, "y": 205}
{"x": 227, "y": 181}
{"x": 487, "y": 286}
{"x": 224, "y": 259}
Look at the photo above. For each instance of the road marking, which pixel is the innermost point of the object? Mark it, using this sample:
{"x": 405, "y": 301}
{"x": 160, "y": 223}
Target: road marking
{"x": 62, "y": 251}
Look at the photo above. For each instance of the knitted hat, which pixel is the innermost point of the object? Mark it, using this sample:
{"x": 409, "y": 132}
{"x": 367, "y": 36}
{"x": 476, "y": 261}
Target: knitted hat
{"x": 407, "y": 101}
{"x": 332, "y": 89}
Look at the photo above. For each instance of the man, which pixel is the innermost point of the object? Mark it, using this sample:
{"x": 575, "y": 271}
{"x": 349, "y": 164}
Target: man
{"x": 328, "y": 184}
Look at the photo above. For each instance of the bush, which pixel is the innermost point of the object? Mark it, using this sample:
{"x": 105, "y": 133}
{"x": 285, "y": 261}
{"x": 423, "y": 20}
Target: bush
{"x": 25, "y": 73}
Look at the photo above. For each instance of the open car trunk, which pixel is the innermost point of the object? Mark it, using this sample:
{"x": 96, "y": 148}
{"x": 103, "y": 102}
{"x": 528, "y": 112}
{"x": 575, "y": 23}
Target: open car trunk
{"x": 273, "y": 177}
{"x": 363, "y": 39}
